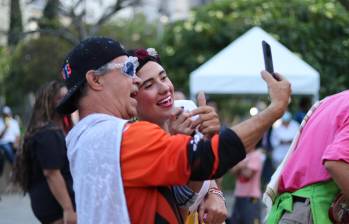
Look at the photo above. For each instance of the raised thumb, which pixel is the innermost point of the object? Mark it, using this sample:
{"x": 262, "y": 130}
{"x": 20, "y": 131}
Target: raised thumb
{"x": 201, "y": 99}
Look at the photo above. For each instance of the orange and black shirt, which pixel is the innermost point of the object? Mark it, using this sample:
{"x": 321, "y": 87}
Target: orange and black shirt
{"x": 152, "y": 161}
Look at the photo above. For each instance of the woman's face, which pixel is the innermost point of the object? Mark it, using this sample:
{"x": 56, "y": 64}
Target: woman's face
{"x": 155, "y": 95}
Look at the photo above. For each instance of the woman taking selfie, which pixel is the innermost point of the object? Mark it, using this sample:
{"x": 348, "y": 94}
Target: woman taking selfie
{"x": 156, "y": 104}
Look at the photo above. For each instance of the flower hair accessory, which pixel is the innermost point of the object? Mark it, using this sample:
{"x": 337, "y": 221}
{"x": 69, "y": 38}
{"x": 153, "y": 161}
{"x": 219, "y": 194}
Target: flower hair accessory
{"x": 152, "y": 52}
{"x": 146, "y": 55}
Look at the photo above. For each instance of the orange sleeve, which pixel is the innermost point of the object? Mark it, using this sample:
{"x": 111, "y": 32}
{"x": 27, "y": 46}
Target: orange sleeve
{"x": 215, "y": 149}
{"x": 151, "y": 157}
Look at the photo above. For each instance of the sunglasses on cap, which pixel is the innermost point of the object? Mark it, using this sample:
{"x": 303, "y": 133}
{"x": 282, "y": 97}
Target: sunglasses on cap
{"x": 128, "y": 68}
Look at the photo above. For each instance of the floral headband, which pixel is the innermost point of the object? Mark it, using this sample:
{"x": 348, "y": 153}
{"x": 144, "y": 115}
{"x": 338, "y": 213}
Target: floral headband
{"x": 145, "y": 55}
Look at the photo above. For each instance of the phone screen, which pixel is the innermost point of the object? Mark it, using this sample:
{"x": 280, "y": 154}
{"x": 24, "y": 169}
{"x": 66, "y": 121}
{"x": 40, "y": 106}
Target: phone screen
{"x": 268, "y": 59}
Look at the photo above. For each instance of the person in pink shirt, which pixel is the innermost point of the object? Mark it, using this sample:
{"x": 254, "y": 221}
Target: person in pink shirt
{"x": 247, "y": 206}
{"x": 318, "y": 167}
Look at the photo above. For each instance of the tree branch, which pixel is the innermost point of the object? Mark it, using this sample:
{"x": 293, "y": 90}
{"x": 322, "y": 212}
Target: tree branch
{"x": 345, "y": 4}
{"x": 77, "y": 20}
{"x": 77, "y": 4}
{"x": 63, "y": 33}
{"x": 119, "y": 4}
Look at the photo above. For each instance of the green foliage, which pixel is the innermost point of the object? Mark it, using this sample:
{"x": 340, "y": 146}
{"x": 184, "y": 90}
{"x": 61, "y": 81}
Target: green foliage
{"x": 34, "y": 62}
{"x": 234, "y": 109}
{"x": 16, "y": 27}
{"x": 316, "y": 30}
{"x": 228, "y": 182}
{"x": 134, "y": 32}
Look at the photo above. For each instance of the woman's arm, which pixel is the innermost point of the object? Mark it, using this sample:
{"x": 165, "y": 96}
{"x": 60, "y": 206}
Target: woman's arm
{"x": 238, "y": 168}
{"x": 213, "y": 209}
{"x": 59, "y": 190}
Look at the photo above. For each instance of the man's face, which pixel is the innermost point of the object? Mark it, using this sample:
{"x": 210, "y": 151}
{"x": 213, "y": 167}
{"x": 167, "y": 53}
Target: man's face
{"x": 119, "y": 91}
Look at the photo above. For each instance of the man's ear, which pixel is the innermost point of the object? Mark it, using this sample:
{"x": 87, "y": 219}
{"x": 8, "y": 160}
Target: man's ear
{"x": 94, "y": 81}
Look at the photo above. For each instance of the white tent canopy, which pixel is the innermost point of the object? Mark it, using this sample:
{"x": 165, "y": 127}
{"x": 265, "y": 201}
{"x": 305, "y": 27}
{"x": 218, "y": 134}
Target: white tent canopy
{"x": 236, "y": 69}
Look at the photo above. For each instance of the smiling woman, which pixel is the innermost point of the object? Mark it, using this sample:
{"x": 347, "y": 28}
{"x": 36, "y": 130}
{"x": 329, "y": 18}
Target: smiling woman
{"x": 156, "y": 104}
{"x": 155, "y": 95}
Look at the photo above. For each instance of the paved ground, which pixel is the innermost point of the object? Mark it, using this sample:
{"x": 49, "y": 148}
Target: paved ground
{"x": 15, "y": 209}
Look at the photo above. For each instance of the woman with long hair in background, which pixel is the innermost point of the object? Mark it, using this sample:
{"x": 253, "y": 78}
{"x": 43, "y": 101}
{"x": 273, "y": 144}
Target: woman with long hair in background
{"x": 42, "y": 167}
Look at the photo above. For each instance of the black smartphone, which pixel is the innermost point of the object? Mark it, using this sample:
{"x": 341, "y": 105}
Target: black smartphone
{"x": 268, "y": 59}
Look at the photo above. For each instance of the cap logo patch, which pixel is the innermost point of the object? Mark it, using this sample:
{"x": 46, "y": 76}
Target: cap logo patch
{"x": 66, "y": 71}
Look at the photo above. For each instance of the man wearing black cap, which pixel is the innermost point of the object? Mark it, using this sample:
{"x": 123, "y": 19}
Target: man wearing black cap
{"x": 121, "y": 170}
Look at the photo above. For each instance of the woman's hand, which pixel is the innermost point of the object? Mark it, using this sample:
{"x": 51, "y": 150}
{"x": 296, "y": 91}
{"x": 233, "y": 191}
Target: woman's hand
{"x": 208, "y": 121}
{"x": 69, "y": 216}
{"x": 58, "y": 187}
{"x": 212, "y": 210}
{"x": 180, "y": 122}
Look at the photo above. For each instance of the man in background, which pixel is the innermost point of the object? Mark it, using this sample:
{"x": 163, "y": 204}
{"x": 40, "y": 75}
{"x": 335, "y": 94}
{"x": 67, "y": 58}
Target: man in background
{"x": 282, "y": 136}
{"x": 9, "y": 137}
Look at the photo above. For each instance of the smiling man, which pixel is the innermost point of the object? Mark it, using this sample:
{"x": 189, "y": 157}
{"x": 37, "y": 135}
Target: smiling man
{"x": 108, "y": 154}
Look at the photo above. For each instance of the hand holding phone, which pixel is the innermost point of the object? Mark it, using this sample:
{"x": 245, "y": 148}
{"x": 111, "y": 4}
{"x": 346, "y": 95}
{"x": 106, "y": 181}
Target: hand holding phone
{"x": 268, "y": 59}
{"x": 268, "y": 62}
{"x": 181, "y": 126}
{"x": 187, "y": 105}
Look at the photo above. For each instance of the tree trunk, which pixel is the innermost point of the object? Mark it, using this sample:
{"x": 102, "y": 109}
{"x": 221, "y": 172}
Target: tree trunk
{"x": 16, "y": 27}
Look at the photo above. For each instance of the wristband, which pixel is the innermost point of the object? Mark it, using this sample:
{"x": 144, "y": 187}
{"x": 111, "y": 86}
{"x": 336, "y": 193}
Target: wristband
{"x": 216, "y": 191}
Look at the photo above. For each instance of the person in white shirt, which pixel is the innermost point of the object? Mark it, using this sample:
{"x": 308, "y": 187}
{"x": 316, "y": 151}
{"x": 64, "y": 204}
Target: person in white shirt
{"x": 282, "y": 136}
{"x": 9, "y": 136}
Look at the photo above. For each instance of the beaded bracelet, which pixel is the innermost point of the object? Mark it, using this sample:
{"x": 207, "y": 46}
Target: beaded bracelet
{"x": 216, "y": 191}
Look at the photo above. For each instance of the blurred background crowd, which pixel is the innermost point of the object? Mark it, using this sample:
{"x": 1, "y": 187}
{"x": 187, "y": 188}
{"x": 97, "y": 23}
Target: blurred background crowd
{"x": 35, "y": 36}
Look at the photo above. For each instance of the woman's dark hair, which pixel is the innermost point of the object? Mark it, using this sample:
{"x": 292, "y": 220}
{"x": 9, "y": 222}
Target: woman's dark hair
{"x": 43, "y": 113}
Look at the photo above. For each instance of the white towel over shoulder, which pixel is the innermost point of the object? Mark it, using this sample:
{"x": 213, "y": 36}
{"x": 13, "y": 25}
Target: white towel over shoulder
{"x": 94, "y": 156}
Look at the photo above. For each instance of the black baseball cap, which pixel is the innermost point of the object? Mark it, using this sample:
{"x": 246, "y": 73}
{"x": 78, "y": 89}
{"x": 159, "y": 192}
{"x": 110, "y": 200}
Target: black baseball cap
{"x": 89, "y": 54}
